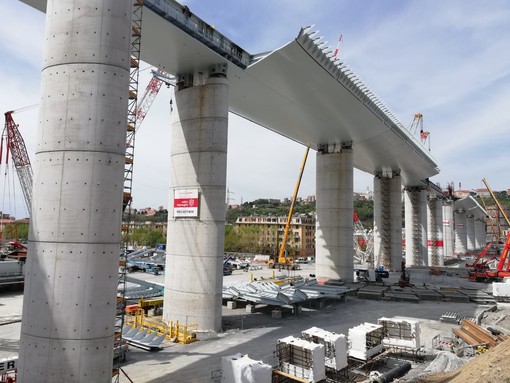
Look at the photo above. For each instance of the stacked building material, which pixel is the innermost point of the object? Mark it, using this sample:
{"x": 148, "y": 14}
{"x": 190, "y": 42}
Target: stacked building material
{"x": 372, "y": 292}
{"x": 335, "y": 346}
{"x": 450, "y": 317}
{"x": 366, "y": 340}
{"x": 454, "y": 295}
{"x": 301, "y": 359}
{"x": 396, "y": 293}
{"x": 427, "y": 294}
{"x": 270, "y": 293}
{"x": 479, "y": 296}
{"x": 400, "y": 332}
{"x": 473, "y": 334}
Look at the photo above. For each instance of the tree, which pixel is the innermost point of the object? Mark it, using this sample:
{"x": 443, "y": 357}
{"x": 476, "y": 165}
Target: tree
{"x": 146, "y": 235}
{"x": 15, "y": 232}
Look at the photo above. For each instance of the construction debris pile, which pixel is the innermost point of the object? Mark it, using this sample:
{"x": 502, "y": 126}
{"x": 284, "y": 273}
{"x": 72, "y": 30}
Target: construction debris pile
{"x": 490, "y": 367}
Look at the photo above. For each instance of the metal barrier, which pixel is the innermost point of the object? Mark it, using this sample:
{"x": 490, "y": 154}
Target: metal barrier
{"x": 173, "y": 331}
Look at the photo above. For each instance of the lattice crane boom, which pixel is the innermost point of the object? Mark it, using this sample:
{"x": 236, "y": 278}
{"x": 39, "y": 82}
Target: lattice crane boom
{"x": 16, "y": 147}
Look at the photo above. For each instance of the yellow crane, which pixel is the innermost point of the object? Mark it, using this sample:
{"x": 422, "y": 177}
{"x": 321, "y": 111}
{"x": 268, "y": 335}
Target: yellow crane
{"x": 283, "y": 261}
{"x": 496, "y": 201}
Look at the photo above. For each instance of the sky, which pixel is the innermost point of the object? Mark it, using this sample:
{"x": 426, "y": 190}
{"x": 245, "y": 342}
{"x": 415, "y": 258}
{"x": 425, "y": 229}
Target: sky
{"x": 448, "y": 60}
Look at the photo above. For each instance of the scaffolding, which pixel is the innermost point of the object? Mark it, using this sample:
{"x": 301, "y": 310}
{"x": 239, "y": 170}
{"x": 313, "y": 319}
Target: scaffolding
{"x": 120, "y": 345}
{"x": 433, "y": 234}
{"x": 416, "y": 239}
{"x": 385, "y": 229}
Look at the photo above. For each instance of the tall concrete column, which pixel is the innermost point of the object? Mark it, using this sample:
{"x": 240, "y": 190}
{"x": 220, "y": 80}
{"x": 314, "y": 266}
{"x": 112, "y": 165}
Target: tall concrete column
{"x": 334, "y": 226}
{"x": 416, "y": 227}
{"x": 460, "y": 232}
{"x": 480, "y": 235}
{"x": 67, "y": 331}
{"x": 470, "y": 232}
{"x": 439, "y": 231}
{"x": 195, "y": 242}
{"x": 434, "y": 232}
{"x": 388, "y": 222}
{"x": 396, "y": 222}
{"x": 448, "y": 229}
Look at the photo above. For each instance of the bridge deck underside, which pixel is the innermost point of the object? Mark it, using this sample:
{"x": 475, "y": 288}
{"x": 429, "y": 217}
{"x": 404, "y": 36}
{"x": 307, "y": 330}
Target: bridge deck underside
{"x": 289, "y": 92}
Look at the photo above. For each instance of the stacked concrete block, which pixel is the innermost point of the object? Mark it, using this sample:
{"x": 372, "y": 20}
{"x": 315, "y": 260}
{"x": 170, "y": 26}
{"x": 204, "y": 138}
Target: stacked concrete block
{"x": 240, "y": 368}
{"x": 302, "y": 359}
{"x": 365, "y": 341}
{"x": 335, "y": 346}
{"x": 400, "y": 332}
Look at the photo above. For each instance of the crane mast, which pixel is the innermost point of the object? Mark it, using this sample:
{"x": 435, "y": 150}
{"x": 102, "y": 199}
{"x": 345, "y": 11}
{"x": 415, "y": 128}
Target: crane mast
{"x": 16, "y": 146}
{"x": 281, "y": 255}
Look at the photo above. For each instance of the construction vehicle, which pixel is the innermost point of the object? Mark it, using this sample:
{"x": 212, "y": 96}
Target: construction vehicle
{"x": 283, "y": 261}
{"x": 485, "y": 274}
{"x": 405, "y": 278}
{"x": 479, "y": 267}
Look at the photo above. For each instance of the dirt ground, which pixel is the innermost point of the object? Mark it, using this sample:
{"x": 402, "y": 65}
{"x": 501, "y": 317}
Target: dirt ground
{"x": 490, "y": 367}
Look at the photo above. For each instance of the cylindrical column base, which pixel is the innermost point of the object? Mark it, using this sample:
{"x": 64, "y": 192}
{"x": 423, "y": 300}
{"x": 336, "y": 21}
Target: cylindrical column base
{"x": 334, "y": 227}
{"x": 195, "y": 240}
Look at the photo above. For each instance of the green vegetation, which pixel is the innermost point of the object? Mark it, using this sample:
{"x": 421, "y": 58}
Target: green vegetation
{"x": 264, "y": 207}
{"x": 247, "y": 239}
{"x": 15, "y": 231}
{"x": 502, "y": 196}
{"x": 145, "y": 235}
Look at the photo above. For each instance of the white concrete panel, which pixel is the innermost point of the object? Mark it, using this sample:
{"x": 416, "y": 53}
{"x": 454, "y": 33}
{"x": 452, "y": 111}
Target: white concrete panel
{"x": 97, "y": 20}
{"x": 460, "y": 232}
{"x": 88, "y": 206}
{"x": 64, "y": 125}
{"x": 470, "y": 233}
{"x": 53, "y": 309}
{"x": 66, "y": 360}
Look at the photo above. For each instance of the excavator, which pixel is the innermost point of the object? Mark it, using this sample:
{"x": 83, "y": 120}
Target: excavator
{"x": 284, "y": 262}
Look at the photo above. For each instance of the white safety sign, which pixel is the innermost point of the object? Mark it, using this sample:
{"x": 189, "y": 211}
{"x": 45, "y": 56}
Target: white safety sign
{"x": 186, "y": 203}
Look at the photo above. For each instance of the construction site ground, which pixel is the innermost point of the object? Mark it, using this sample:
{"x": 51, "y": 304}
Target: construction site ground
{"x": 256, "y": 333}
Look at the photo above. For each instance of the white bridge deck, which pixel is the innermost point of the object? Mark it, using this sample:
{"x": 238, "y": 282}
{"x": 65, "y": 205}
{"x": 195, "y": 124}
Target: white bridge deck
{"x": 297, "y": 91}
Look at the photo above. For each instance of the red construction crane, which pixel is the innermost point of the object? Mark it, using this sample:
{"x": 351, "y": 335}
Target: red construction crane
{"x": 416, "y": 124}
{"x": 15, "y": 145}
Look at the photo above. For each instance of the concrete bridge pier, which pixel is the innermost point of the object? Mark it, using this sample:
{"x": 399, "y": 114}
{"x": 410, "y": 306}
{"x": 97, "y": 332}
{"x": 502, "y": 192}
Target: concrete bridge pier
{"x": 480, "y": 234}
{"x": 334, "y": 227}
{"x": 67, "y": 332}
{"x": 196, "y": 217}
{"x": 460, "y": 232}
{"x": 470, "y": 233}
{"x": 416, "y": 226}
{"x": 388, "y": 221}
{"x": 448, "y": 229}
{"x": 435, "y": 231}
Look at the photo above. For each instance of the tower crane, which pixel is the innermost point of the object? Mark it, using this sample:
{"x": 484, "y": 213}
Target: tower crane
{"x": 135, "y": 119}
{"x": 15, "y": 145}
